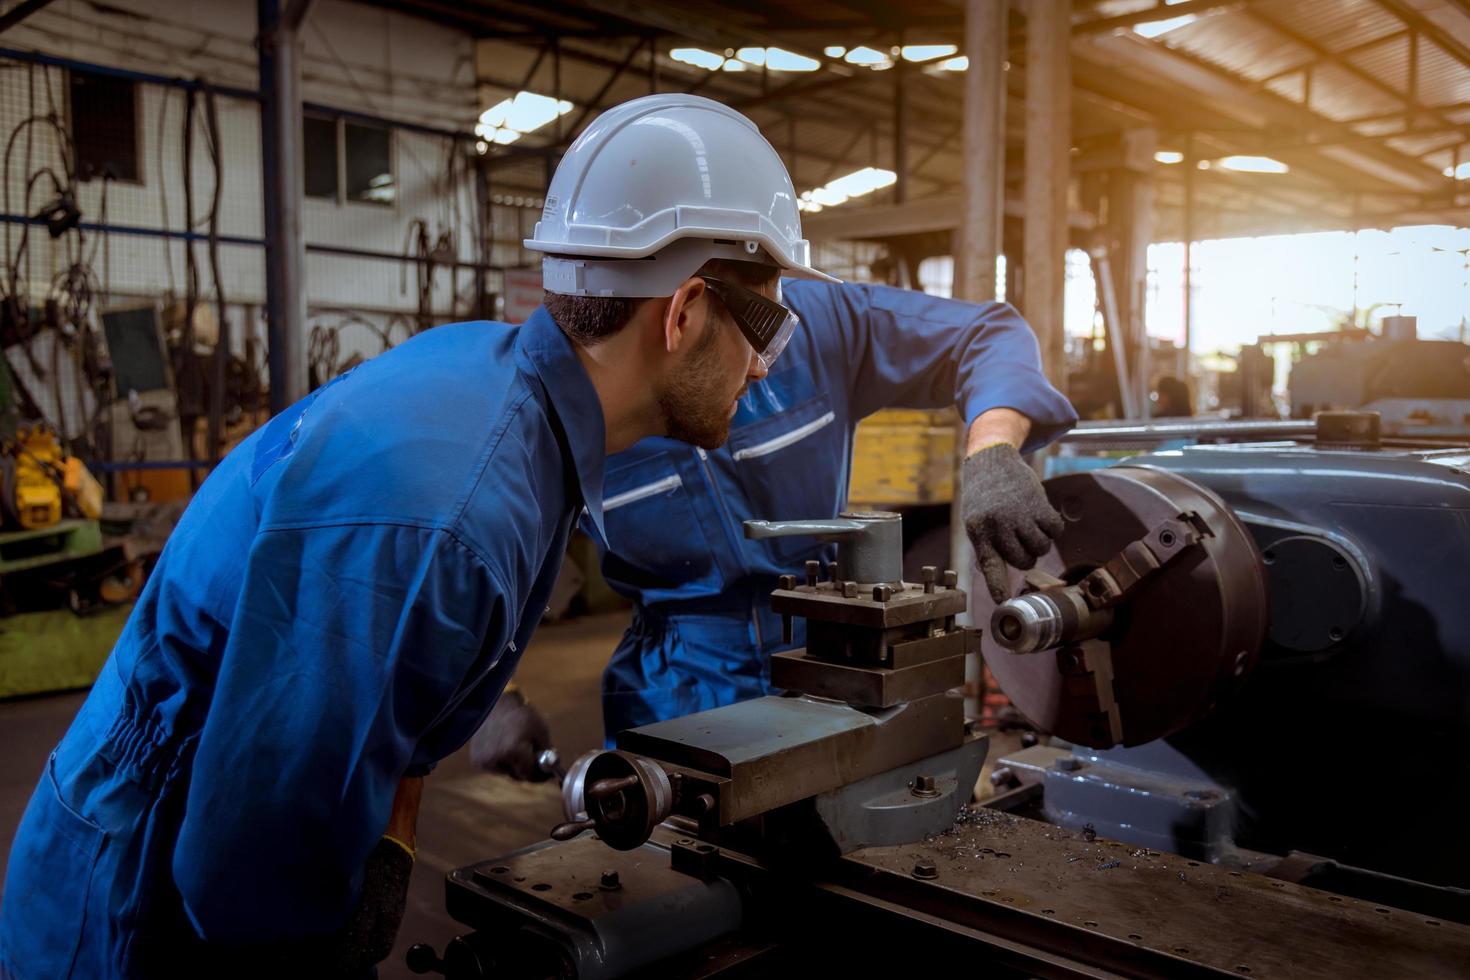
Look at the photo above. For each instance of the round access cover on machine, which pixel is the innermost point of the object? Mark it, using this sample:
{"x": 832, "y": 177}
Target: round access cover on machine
{"x": 1179, "y": 643}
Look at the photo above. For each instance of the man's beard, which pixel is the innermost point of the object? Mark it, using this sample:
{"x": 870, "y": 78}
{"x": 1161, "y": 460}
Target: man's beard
{"x": 689, "y": 401}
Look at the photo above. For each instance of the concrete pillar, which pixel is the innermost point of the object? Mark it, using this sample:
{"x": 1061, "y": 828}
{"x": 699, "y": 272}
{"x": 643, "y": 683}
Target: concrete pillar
{"x": 976, "y": 243}
{"x": 282, "y": 190}
{"x": 1048, "y": 169}
{"x": 1190, "y": 166}
{"x": 978, "y": 237}
{"x": 900, "y": 130}
{"x": 1130, "y": 230}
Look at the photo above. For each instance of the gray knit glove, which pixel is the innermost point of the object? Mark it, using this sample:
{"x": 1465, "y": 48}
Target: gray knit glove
{"x": 1006, "y": 515}
{"x": 512, "y": 740}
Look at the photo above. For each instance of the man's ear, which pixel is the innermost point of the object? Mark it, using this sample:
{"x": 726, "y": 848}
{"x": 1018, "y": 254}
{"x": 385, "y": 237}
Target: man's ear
{"x": 687, "y": 310}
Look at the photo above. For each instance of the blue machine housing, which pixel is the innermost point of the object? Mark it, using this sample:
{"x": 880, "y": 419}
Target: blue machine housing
{"x": 1349, "y": 739}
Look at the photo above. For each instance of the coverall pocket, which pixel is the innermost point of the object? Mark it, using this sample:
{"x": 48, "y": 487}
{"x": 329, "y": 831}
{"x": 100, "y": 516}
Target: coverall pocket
{"x": 647, "y": 512}
{"x": 787, "y": 465}
{"x": 47, "y": 885}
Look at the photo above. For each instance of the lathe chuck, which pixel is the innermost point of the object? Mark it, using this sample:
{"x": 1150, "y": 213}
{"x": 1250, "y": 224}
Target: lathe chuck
{"x": 1177, "y": 641}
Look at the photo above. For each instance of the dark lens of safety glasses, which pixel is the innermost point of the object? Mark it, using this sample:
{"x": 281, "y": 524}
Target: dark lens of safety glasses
{"x": 765, "y": 323}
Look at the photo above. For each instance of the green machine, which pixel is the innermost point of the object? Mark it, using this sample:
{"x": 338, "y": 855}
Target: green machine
{"x": 63, "y": 647}
{"x": 47, "y": 644}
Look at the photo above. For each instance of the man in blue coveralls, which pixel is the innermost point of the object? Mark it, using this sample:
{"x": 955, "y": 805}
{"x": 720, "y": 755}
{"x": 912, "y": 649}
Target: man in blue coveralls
{"x": 702, "y": 632}
{"x": 349, "y": 591}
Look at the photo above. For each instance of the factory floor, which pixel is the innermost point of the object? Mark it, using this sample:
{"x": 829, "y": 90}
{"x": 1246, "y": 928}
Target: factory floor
{"x": 466, "y": 816}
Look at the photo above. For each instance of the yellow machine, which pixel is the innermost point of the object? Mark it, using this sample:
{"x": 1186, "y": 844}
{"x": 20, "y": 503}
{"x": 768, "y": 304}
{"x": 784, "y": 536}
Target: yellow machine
{"x": 904, "y": 458}
{"x": 43, "y": 477}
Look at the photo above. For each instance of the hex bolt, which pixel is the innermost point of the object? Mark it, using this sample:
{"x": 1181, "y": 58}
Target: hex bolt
{"x": 925, "y": 870}
{"x": 786, "y": 582}
{"x": 951, "y": 578}
{"x": 882, "y": 593}
{"x": 610, "y": 882}
{"x": 849, "y": 590}
{"x": 924, "y": 786}
{"x": 813, "y": 572}
{"x": 928, "y": 572}
{"x": 1067, "y": 763}
{"x": 832, "y": 572}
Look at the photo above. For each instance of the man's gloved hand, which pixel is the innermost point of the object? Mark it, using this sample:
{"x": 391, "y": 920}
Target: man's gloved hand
{"x": 512, "y": 739}
{"x": 1006, "y": 513}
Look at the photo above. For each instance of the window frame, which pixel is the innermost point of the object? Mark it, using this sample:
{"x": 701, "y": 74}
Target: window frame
{"x": 339, "y": 134}
{"x": 140, "y": 180}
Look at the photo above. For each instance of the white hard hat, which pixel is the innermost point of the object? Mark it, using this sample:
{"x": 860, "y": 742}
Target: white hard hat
{"x": 657, "y": 186}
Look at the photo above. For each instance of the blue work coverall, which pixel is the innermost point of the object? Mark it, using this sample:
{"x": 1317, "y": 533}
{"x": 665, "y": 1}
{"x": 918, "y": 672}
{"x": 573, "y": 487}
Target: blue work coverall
{"x": 339, "y": 608}
{"x": 702, "y": 630}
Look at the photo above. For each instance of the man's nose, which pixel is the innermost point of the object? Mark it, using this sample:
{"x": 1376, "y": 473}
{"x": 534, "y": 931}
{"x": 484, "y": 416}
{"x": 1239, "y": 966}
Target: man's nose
{"x": 756, "y": 369}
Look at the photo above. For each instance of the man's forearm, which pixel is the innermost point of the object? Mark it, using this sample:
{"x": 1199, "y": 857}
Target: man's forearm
{"x": 996, "y": 426}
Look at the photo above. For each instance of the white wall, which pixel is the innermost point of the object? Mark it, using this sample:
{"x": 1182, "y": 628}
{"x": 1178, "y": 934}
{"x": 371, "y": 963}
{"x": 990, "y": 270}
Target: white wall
{"x": 355, "y": 57}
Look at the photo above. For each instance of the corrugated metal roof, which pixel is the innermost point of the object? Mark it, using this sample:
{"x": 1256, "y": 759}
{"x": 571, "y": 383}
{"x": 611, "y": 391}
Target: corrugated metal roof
{"x": 1388, "y": 61}
{"x": 1333, "y": 24}
{"x": 1421, "y": 145}
{"x": 1234, "y": 76}
{"x": 1339, "y": 94}
{"x": 1442, "y": 79}
{"x": 1238, "y": 44}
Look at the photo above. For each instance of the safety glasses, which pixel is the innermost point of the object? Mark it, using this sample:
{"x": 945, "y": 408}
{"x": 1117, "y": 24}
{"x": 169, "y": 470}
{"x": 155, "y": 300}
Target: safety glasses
{"x": 765, "y": 322}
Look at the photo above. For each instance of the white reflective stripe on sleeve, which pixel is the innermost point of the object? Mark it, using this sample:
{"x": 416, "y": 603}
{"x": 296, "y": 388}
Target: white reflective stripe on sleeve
{"x": 782, "y": 441}
{"x": 639, "y": 493}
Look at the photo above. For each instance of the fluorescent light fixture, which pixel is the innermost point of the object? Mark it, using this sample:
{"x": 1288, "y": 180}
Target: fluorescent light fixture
{"x": 1158, "y": 28}
{"x": 862, "y": 181}
{"x": 733, "y": 64}
{"x": 845, "y": 188}
{"x": 1254, "y": 165}
{"x": 778, "y": 59}
{"x": 927, "y": 52}
{"x": 866, "y": 56}
{"x": 510, "y": 119}
{"x": 1462, "y": 172}
{"x": 827, "y": 197}
{"x": 954, "y": 64}
{"x": 834, "y": 51}
{"x": 698, "y": 57}
{"x": 1169, "y": 156}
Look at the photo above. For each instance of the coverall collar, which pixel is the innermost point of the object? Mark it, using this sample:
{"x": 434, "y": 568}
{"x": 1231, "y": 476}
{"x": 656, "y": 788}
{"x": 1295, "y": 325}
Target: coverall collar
{"x": 574, "y": 401}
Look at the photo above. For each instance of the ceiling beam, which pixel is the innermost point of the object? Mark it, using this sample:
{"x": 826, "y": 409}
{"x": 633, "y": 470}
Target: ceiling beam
{"x": 1332, "y": 56}
{"x": 1234, "y": 97}
{"x": 684, "y": 20}
{"x": 1158, "y": 12}
{"x": 19, "y": 13}
{"x": 1415, "y": 20}
{"x": 595, "y": 104}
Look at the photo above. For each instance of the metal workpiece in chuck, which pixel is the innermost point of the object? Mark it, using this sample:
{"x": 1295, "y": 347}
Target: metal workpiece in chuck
{"x": 1149, "y": 612}
{"x": 1047, "y": 619}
